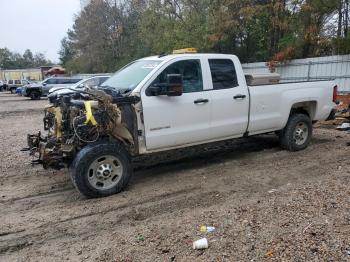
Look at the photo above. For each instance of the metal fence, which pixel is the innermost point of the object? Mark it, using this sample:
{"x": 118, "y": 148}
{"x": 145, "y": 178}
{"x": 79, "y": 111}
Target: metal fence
{"x": 310, "y": 69}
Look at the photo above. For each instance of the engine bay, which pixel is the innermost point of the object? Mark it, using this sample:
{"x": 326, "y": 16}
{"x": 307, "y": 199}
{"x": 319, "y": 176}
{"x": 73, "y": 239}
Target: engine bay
{"x": 76, "y": 119}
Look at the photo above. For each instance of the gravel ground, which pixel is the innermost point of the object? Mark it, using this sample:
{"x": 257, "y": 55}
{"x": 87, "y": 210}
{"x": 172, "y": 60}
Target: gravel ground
{"x": 265, "y": 203}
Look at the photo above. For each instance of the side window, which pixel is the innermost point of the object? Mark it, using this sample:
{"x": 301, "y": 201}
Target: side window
{"x": 50, "y": 81}
{"x": 223, "y": 73}
{"x": 72, "y": 81}
{"x": 17, "y": 82}
{"x": 10, "y": 82}
{"x": 62, "y": 81}
{"x": 191, "y": 75}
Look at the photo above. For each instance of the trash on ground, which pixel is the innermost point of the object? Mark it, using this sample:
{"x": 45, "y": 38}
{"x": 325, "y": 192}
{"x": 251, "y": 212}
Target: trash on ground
{"x": 348, "y": 251}
{"x": 272, "y": 191}
{"x": 344, "y": 126}
{"x": 308, "y": 226}
{"x": 140, "y": 238}
{"x": 207, "y": 229}
{"x": 201, "y": 244}
{"x": 269, "y": 253}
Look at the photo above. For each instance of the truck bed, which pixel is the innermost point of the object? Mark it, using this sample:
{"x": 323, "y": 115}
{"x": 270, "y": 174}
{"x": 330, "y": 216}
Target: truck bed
{"x": 271, "y": 104}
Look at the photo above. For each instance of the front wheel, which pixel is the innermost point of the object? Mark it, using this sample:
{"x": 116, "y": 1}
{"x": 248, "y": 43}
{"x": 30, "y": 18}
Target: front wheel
{"x": 101, "y": 169}
{"x": 297, "y": 133}
{"x": 34, "y": 95}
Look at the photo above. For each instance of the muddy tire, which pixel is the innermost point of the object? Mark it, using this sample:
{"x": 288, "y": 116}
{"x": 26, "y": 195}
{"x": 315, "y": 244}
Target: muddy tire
{"x": 101, "y": 169}
{"x": 297, "y": 133}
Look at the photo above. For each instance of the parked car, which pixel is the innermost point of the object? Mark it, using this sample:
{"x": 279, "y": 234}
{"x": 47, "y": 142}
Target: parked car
{"x": 81, "y": 85}
{"x": 19, "y": 90}
{"x": 166, "y": 102}
{"x": 37, "y": 90}
{"x": 12, "y": 84}
{"x": 3, "y": 85}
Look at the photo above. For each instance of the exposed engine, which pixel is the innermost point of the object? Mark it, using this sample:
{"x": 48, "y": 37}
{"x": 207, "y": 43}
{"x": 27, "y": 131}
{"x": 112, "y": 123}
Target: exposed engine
{"x": 74, "y": 120}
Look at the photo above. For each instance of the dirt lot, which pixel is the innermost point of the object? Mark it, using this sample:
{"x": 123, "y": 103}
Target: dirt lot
{"x": 265, "y": 203}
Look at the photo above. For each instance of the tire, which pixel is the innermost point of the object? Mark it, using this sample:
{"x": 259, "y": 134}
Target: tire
{"x": 13, "y": 90}
{"x": 101, "y": 169}
{"x": 34, "y": 95}
{"x": 297, "y": 133}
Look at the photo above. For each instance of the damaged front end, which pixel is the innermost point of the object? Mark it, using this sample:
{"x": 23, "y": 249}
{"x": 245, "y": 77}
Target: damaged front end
{"x": 74, "y": 120}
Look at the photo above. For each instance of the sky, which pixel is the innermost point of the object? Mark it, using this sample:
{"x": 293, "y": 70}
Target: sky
{"x": 38, "y": 25}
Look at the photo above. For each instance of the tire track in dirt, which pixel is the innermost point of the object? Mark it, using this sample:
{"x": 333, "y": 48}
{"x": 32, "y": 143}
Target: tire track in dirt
{"x": 140, "y": 211}
{"x": 21, "y": 112}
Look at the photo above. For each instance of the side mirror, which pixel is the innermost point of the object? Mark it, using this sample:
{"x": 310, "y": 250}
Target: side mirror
{"x": 44, "y": 84}
{"x": 173, "y": 86}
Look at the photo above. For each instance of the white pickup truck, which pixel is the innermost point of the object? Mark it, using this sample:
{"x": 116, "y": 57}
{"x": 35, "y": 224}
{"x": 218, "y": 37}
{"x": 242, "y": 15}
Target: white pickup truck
{"x": 166, "y": 102}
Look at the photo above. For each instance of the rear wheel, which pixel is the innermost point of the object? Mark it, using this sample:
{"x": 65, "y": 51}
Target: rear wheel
{"x": 101, "y": 169}
{"x": 297, "y": 133}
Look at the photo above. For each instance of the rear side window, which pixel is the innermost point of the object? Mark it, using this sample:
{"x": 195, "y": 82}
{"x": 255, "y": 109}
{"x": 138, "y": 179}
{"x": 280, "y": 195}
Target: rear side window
{"x": 223, "y": 73}
{"x": 17, "y": 82}
{"x": 73, "y": 81}
{"x": 62, "y": 81}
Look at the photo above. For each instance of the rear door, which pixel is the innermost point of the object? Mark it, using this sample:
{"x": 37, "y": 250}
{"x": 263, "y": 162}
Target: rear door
{"x": 230, "y": 99}
{"x": 177, "y": 121}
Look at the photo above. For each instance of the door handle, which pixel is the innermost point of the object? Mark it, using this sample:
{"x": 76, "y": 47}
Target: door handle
{"x": 201, "y": 101}
{"x": 239, "y": 96}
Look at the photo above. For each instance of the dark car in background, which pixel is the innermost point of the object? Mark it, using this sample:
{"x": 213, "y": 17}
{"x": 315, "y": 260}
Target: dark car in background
{"x": 3, "y": 85}
{"x": 82, "y": 85}
{"x": 37, "y": 90}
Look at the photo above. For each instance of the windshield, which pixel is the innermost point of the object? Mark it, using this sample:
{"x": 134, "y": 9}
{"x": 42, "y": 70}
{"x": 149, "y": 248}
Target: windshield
{"x": 131, "y": 75}
{"x": 79, "y": 83}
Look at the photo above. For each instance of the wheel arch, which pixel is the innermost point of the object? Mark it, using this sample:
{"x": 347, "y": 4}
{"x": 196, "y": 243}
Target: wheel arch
{"x": 307, "y": 108}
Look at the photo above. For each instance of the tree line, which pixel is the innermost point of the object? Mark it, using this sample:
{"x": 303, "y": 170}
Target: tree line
{"x": 107, "y": 34}
{"x": 14, "y": 60}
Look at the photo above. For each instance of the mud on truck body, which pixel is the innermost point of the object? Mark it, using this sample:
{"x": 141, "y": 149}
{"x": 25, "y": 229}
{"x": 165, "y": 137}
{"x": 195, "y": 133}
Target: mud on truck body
{"x": 166, "y": 102}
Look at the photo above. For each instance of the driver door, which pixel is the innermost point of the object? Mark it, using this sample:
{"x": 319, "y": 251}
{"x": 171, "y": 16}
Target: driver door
{"x": 180, "y": 120}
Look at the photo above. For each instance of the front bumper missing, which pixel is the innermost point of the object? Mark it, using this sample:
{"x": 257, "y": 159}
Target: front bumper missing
{"x": 48, "y": 152}
{"x": 36, "y": 145}
{"x": 33, "y": 142}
